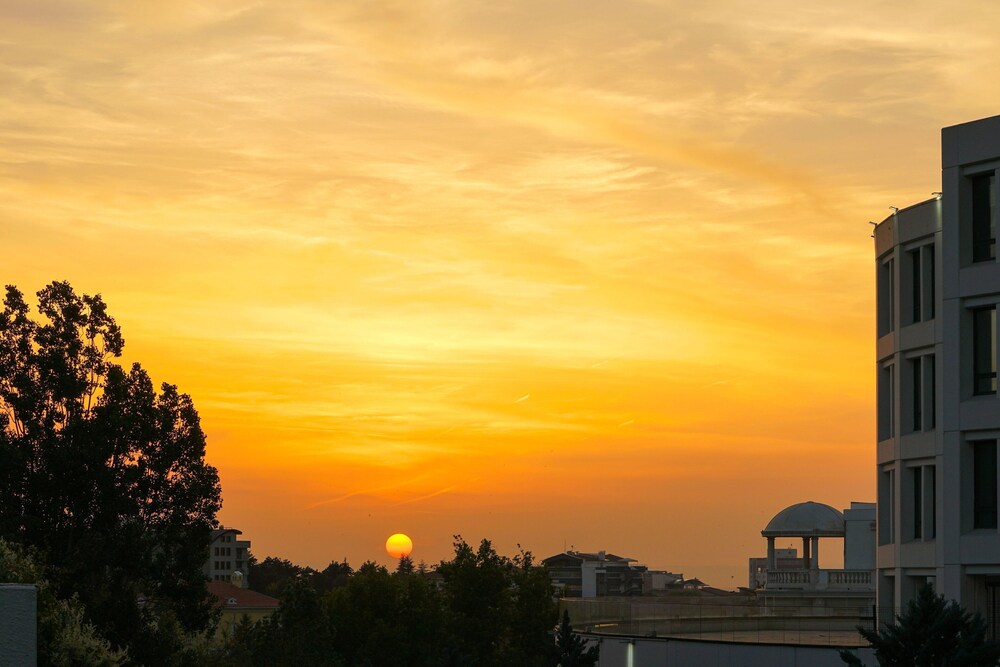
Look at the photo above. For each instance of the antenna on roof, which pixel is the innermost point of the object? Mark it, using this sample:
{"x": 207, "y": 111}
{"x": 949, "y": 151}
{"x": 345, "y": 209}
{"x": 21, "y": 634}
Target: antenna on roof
{"x": 895, "y": 209}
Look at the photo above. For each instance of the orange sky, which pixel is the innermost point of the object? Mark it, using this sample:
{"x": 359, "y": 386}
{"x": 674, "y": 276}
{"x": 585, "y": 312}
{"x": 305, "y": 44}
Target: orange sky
{"x": 561, "y": 273}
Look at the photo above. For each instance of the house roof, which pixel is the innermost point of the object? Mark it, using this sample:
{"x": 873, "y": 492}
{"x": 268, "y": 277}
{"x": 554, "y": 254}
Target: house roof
{"x": 586, "y": 556}
{"x": 229, "y": 596}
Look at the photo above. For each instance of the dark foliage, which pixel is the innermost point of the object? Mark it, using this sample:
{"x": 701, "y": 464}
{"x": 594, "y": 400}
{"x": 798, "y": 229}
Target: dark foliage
{"x": 490, "y": 611}
{"x": 64, "y": 638}
{"x": 102, "y": 475}
{"x": 405, "y": 565}
{"x": 379, "y": 617}
{"x": 573, "y": 650}
{"x": 931, "y": 632}
{"x": 499, "y": 611}
{"x": 273, "y": 576}
{"x": 298, "y": 633}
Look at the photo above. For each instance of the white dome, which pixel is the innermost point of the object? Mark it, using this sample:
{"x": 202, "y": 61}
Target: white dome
{"x": 807, "y": 519}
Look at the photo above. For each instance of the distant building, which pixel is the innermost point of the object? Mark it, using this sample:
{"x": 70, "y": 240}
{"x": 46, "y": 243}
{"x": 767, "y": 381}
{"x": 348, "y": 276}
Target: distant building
{"x": 236, "y": 602}
{"x": 581, "y": 574}
{"x": 803, "y": 577}
{"x": 785, "y": 559}
{"x": 654, "y": 581}
{"x": 227, "y": 555}
{"x": 938, "y": 409}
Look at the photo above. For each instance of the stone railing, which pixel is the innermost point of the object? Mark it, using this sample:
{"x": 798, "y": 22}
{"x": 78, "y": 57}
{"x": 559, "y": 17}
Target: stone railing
{"x": 788, "y": 577}
{"x": 820, "y": 580}
{"x": 849, "y": 578}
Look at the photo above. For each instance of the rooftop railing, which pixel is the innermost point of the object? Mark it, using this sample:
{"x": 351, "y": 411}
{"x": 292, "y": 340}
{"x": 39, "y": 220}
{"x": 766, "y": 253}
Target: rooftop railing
{"x": 740, "y": 619}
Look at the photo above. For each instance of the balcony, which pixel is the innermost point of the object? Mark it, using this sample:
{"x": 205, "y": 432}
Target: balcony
{"x": 819, "y": 580}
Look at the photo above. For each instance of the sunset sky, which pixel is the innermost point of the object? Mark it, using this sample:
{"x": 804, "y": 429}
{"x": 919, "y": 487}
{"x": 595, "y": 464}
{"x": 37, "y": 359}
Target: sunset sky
{"x": 552, "y": 273}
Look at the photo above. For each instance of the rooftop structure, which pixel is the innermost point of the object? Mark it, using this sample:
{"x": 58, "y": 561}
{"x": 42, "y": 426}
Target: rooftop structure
{"x": 811, "y": 521}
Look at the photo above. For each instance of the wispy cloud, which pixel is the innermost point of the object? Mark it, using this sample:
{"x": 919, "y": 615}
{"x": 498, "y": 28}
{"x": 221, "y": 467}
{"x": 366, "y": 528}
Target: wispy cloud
{"x": 553, "y": 247}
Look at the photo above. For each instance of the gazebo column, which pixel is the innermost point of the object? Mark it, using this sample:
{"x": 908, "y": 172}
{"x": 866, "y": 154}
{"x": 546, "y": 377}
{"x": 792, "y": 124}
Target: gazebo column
{"x": 772, "y": 563}
{"x": 806, "y": 561}
{"x": 814, "y": 564}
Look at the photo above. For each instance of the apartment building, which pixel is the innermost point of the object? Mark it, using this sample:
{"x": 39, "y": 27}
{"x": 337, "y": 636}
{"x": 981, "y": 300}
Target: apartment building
{"x": 227, "y": 555}
{"x": 938, "y": 285}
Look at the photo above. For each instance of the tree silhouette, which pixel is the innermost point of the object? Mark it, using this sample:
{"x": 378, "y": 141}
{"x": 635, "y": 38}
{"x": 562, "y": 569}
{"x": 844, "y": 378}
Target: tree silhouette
{"x": 931, "y": 633}
{"x": 573, "y": 650}
{"x": 500, "y": 611}
{"x": 405, "y": 565}
{"x": 101, "y": 474}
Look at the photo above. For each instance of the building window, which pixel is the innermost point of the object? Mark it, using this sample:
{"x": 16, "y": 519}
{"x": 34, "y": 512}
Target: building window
{"x": 886, "y": 506}
{"x": 918, "y": 395}
{"x": 984, "y": 227}
{"x": 921, "y": 480}
{"x": 921, "y": 379}
{"x": 886, "y": 296}
{"x": 930, "y": 502}
{"x": 984, "y": 484}
{"x": 886, "y": 403}
{"x": 921, "y": 293}
{"x": 984, "y": 350}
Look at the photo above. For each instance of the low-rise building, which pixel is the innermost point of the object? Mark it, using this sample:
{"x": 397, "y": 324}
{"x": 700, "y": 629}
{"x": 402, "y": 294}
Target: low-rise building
{"x": 236, "y": 603}
{"x": 655, "y": 581}
{"x": 583, "y": 574}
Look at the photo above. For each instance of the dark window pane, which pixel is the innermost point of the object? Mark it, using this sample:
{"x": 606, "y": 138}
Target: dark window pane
{"x": 984, "y": 232}
{"x": 929, "y": 254}
{"x": 984, "y": 359}
{"x": 931, "y": 390}
{"x": 931, "y": 501}
{"x": 984, "y": 484}
{"x": 918, "y": 496}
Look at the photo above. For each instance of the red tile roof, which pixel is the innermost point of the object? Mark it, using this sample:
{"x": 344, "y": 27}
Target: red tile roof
{"x": 229, "y": 596}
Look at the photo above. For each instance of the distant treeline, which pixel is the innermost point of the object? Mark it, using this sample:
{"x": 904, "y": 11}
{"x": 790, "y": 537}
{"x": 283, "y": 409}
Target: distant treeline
{"x": 480, "y": 608}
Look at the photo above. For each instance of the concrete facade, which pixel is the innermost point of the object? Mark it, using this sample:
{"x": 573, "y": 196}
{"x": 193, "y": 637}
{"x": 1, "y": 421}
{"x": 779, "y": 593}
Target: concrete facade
{"x": 938, "y": 285}
{"x": 227, "y": 556}
{"x": 18, "y": 625}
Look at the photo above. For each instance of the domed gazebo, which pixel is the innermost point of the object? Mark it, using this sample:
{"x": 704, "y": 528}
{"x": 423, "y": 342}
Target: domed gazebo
{"x": 810, "y": 521}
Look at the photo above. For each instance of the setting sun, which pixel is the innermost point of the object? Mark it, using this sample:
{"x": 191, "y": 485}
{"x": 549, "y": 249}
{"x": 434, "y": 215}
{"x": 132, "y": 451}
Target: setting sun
{"x": 398, "y": 545}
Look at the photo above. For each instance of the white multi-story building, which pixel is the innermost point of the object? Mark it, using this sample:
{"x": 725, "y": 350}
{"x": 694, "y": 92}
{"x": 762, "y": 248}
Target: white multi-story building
{"x": 938, "y": 283}
{"x": 227, "y": 555}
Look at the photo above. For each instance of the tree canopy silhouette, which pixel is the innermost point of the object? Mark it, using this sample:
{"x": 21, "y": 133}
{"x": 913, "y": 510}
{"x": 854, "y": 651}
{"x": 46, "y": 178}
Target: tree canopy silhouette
{"x": 573, "y": 649}
{"x": 931, "y": 632}
{"x": 102, "y": 475}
